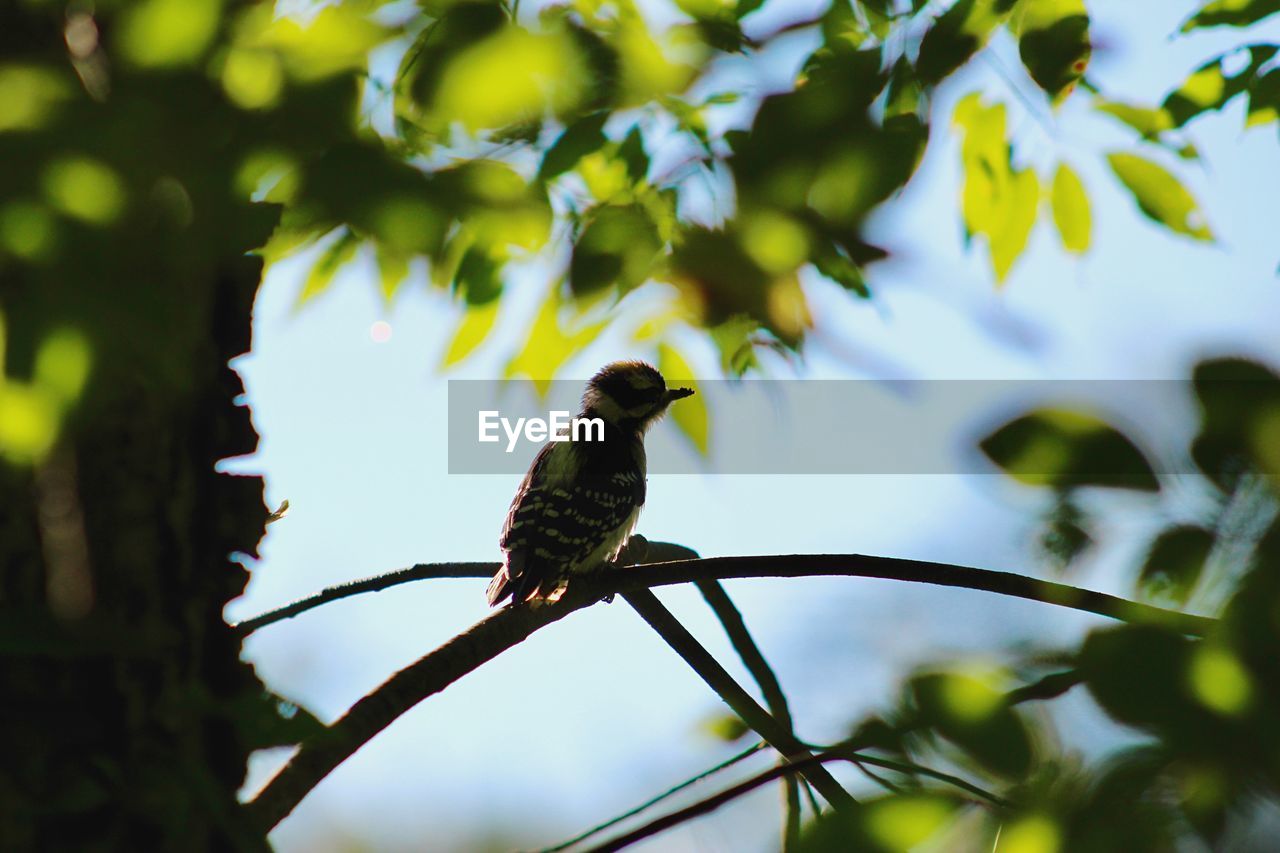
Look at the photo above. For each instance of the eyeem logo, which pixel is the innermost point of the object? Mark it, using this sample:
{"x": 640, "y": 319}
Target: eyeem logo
{"x": 559, "y": 426}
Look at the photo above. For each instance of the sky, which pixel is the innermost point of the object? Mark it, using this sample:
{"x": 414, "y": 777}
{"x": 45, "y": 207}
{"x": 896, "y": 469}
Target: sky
{"x": 594, "y": 714}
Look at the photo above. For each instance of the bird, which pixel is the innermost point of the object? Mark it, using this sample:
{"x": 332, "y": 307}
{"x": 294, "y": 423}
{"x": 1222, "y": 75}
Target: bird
{"x": 578, "y": 504}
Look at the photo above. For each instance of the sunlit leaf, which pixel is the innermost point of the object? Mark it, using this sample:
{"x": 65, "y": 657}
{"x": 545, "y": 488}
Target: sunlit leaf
{"x": 334, "y": 257}
{"x": 551, "y": 342}
{"x": 726, "y": 727}
{"x": 1232, "y": 13}
{"x": 1061, "y": 448}
{"x": 1053, "y": 41}
{"x": 476, "y": 323}
{"x": 511, "y": 76}
{"x": 337, "y": 38}
{"x": 1160, "y": 195}
{"x": 62, "y": 364}
{"x": 1150, "y": 122}
{"x": 168, "y": 32}
{"x": 29, "y": 422}
{"x": 1021, "y": 203}
{"x": 29, "y": 95}
{"x": 393, "y": 267}
{"x": 689, "y": 414}
{"x": 1071, "y": 210}
{"x": 1211, "y": 87}
{"x": 86, "y": 189}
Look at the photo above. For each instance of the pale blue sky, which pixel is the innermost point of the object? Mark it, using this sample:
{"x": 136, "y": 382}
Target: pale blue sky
{"x": 594, "y": 714}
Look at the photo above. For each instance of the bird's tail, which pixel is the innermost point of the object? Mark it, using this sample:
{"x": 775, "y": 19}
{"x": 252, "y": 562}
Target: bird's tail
{"x": 499, "y": 587}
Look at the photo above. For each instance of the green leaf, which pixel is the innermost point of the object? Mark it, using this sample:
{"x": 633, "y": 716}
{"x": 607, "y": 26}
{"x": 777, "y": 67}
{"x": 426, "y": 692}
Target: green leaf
{"x": 1231, "y": 13}
{"x": 726, "y": 727}
{"x": 1160, "y": 195}
{"x": 393, "y": 268}
{"x": 1176, "y": 561}
{"x": 1209, "y": 87}
{"x": 479, "y": 277}
{"x": 1053, "y": 41}
{"x": 958, "y": 34}
{"x": 579, "y": 139}
{"x": 334, "y": 257}
{"x": 633, "y": 154}
{"x": 972, "y": 714}
{"x": 1150, "y": 122}
{"x": 1071, "y": 210}
{"x": 691, "y": 413}
{"x": 1009, "y": 239}
{"x": 617, "y": 247}
{"x": 1065, "y": 449}
{"x": 476, "y": 324}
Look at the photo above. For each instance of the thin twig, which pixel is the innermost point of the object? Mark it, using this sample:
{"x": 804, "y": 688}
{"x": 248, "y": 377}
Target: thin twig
{"x": 802, "y": 765}
{"x": 650, "y": 803}
{"x": 422, "y": 571}
{"x": 709, "y": 669}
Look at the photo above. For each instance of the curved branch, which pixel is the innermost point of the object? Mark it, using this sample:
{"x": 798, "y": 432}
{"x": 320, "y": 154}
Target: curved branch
{"x": 671, "y": 572}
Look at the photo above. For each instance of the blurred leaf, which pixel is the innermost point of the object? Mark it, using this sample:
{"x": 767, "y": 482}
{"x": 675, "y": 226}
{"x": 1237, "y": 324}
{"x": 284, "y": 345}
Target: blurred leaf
{"x": 62, "y": 364}
{"x": 689, "y": 414}
{"x": 1071, "y": 210}
{"x": 1210, "y": 87}
{"x": 1136, "y": 673}
{"x": 997, "y": 201}
{"x": 30, "y": 95}
{"x": 551, "y": 343}
{"x": 1064, "y": 449}
{"x": 958, "y": 34}
{"x": 618, "y": 246}
{"x": 1237, "y": 399}
{"x": 632, "y": 152}
{"x": 1150, "y": 122}
{"x": 476, "y": 323}
{"x": 1160, "y": 195}
{"x": 157, "y": 33}
{"x": 393, "y": 268}
{"x": 1176, "y": 561}
{"x": 583, "y": 137}
{"x": 1232, "y": 13}
{"x": 1065, "y": 536}
{"x": 1053, "y": 41}
{"x": 972, "y": 714}
{"x": 333, "y": 258}
{"x": 893, "y": 824}
{"x": 29, "y": 422}
{"x": 479, "y": 277}
{"x": 337, "y": 38}
{"x": 721, "y": 280}
{"x": 726, "y": 727}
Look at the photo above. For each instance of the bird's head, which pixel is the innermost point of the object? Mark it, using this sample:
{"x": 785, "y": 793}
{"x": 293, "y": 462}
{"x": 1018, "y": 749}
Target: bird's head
{"x": 630, "y": 395}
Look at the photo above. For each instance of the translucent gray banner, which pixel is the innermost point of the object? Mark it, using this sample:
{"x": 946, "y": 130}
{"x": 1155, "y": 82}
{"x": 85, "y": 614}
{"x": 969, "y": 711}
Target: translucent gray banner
{"x": 827, "y": 426}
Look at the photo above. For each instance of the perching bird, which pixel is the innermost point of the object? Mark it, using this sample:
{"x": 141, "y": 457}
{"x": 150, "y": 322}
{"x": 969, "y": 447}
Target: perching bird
{"x": 578, "y": 504}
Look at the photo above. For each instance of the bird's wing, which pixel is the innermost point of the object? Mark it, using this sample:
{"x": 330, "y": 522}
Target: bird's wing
{"x": 557, "y": 522}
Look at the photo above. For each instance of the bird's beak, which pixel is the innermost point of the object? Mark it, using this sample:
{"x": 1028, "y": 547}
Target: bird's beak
{"x": 674, "y": 394}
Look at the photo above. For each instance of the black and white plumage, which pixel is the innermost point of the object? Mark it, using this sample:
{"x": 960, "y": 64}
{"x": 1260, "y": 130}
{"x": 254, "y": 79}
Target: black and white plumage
{"x": 579, "y": 502}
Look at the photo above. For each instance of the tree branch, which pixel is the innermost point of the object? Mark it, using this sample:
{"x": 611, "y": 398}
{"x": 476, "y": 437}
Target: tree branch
{"x": 420, "y": 572}
{"x": 786, "y": 566}
{"x": 718, "y": 679}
